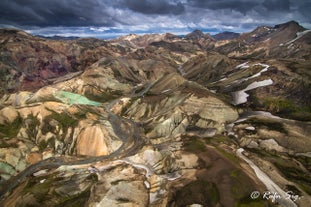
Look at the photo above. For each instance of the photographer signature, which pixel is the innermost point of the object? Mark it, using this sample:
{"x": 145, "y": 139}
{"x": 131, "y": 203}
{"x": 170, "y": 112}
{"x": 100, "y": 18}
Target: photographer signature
{"x": 274, "y": 196}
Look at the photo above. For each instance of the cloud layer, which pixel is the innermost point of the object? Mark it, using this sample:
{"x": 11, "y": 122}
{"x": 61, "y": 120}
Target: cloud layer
{"x": 149, "y": 15}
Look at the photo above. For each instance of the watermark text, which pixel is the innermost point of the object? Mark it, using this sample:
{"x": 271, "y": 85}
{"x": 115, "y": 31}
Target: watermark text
{"x": 274, "y": 196}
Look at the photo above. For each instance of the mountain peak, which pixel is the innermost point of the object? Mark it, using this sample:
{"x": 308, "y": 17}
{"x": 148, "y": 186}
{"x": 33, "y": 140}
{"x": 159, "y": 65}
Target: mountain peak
{"x": 196, "y": 34}
{"x": 197, "y": 31}
{"x": 291, "y": 24}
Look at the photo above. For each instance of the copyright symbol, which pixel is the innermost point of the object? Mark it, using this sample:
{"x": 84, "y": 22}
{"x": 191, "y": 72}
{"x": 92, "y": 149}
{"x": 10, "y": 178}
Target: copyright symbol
{"x": 255, "y": 195}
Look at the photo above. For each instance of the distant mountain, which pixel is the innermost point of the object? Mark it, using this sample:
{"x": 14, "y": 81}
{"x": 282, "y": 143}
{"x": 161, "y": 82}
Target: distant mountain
{"x": 274, "y": 35}
{"x": 284, "y": 40}
{"x": 198, "y": 34}
{"x": 57, "y": 37}
{"x": 134, "y": 40}
{"x": 28, "y": 62}
{"x": 226, "y": 35}
{"x": 201, "y": 39}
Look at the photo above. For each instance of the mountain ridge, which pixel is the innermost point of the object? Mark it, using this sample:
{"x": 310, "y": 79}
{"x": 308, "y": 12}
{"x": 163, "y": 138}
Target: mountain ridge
{"x": 226, "y": 35}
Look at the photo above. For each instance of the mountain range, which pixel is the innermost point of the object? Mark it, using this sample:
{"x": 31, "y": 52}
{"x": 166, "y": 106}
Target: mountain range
{"x": 156, "y": 119}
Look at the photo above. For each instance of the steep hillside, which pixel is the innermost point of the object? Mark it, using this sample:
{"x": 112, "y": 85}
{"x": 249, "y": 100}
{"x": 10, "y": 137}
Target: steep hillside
{"x": 28, "y": 62}
{"x": 288, "y": 40}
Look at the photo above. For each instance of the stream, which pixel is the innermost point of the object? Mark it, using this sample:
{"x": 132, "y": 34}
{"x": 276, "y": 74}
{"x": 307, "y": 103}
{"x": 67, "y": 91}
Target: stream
{"x": 272, "y": 187}
{"x": 132, "y": 143}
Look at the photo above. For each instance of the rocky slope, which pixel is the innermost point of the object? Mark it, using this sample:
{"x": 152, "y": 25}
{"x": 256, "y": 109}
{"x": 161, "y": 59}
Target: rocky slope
{"x": 288, "y": 40}
{"x": 226, "y": 35}
{"x": 28, "y": 62}
{"x": 156, "y": 120}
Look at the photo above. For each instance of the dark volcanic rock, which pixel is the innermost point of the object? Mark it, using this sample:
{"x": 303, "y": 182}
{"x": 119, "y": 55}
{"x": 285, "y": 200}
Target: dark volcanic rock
{"x": 226, "y": 36}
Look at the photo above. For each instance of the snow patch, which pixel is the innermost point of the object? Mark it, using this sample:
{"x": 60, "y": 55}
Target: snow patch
{"x": 40, "y": 172}
{"x": 265, "y": 68}
{"x": 240, "y": 97}
{"x": 167, "y": 90}
{"x": 266, "y": 180}
{"x": 298, "y": 36}
{"x": 250, "y": 114}
{"x": 258, "y": 84}
{"x": 263, "y": 65}
{"x": 243, "y": 65}
{"x": 223, "y": 79}
{"x": 250, "y": 128}
{"x": 147, "y": 184}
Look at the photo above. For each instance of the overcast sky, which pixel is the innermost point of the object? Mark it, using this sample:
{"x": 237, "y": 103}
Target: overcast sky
{"x": 105, "y": 18}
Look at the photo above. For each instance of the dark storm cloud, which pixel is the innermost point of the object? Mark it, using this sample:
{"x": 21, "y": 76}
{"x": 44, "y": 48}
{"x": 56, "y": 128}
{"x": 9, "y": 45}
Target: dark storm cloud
{"x": 154, "y": 7}
{"x": 277, "y": 5}
{"x": 78, "y": 12}
{"x": 304, "y": 11}
{"x": 241, "y": 6}
{"x": 150, "y": 15}
{"x": 52, "y": 12}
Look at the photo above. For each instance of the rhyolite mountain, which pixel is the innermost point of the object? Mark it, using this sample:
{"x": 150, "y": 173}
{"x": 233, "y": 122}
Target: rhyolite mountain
{"x": 29, "y": 62}
{"x": 156, "y": 120}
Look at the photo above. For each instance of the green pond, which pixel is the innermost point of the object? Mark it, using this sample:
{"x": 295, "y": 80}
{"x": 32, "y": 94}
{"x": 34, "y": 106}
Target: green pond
{"x": 73, "y": 98}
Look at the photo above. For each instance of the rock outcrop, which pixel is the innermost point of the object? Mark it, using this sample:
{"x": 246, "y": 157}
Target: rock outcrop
{"x": 96, "y": 140}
